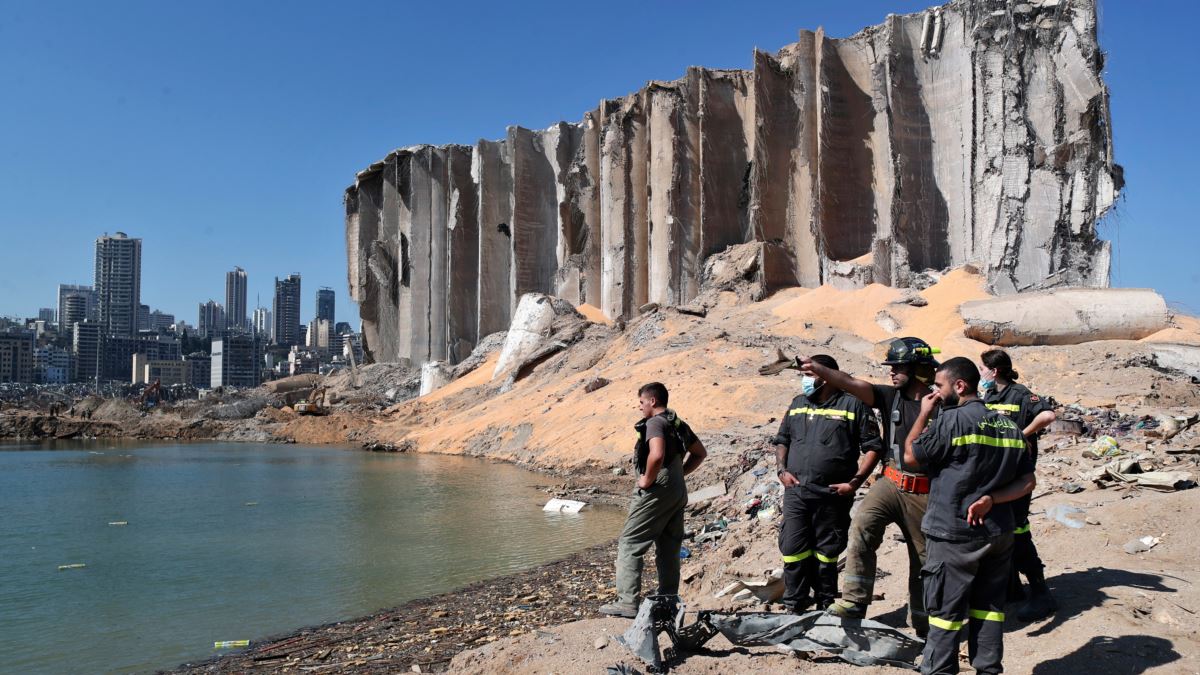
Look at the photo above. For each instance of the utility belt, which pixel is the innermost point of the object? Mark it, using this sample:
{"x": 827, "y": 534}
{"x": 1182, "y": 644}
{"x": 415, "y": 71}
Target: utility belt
{"x": 907, "y": 482}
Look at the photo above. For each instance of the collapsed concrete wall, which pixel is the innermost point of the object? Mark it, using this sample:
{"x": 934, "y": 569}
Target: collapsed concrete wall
{"x": 972, "y": 133}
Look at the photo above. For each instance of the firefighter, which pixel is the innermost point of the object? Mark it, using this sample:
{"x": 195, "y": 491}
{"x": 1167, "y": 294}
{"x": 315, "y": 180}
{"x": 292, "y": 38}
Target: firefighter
{"x": 1002, "y": 394}
{"x": 901, "y": 496}
{"x": 977, "y": 464}
{"x": 817, "y": 450}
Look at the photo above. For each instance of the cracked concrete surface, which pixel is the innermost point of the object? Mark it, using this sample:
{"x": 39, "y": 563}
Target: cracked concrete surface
{"x": 973, "y": 133}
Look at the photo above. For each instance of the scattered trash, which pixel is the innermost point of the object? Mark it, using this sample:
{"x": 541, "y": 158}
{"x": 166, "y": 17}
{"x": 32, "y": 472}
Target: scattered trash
{"x": 622, "y": 669}
{"x": 72, "y": 566}
{"x": 713, "y": 535}
{"x": 1141, "y": 545}
{"x": 1091, "y": 521}
{"x": 563, "y": 505}
{"x": 704, "y": 494}
{"x": 1063, "y": 512}
{"x": 251, "y": 503}
{"x": 227, "y": 644}
{"x": 119, "y": 523}
{"x": 1072, "y": 488}
{"x": 619, "y": 471}
{"x": 768, "y": 589}
{"x": 1130, "y": 471}
{"x": 684, "y": 552}
{"x": 1104, "y": 446}
{"x": 760, "y": 472}
{"x": 752, "y": 507}
{"x": 768, "y": 513}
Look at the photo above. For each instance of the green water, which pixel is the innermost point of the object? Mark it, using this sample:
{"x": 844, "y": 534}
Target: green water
{"x": 240, "y": 541}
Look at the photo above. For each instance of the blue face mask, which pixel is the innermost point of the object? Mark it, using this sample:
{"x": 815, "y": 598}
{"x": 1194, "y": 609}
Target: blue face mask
{"x": 808, "y": 384}
{"x": 987, "y": 384}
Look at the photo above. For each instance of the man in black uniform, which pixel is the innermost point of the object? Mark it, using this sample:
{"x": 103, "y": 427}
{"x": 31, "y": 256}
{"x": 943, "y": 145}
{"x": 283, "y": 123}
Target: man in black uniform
{"x": 817, "y": 455}
{"x": 901, "y": 497}
{"x": 977, "y": 464}
{"x": 1002, "y": 394}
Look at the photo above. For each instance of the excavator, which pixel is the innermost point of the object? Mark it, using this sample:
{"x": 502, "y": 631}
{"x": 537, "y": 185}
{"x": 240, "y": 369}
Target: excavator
{"x": 314, "y": 404}
{"x": 152, "y": 395}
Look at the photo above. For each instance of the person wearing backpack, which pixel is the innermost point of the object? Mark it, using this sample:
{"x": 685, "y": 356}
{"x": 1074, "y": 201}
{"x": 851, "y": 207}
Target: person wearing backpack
{"x": 666, "y": 451}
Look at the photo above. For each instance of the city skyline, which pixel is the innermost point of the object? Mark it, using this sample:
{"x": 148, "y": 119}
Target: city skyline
{"x": 66, "y": 288}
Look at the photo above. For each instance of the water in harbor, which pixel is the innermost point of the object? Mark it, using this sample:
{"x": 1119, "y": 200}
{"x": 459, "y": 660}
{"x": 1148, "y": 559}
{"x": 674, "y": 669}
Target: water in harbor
{"x": 239, "y": 541}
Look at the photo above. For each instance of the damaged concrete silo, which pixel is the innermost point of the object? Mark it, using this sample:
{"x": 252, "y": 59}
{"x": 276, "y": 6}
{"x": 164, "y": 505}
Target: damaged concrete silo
{"x": 976, "y": 132}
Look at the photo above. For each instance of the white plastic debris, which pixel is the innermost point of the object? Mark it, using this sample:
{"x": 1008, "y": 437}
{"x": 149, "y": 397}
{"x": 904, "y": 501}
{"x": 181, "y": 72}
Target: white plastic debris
{"x": 563, "y": 505}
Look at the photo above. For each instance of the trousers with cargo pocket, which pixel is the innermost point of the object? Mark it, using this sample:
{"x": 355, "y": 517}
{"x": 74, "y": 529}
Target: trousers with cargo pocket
{"x": 812, "y": 537}
{"x": 966, "y": 585}
{"x": 655, "y": 519}
{"x": 884, "y": 504}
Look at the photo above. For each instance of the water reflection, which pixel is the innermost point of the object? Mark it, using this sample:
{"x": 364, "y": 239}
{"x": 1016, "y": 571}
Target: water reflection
{"x": 329, "y": 534}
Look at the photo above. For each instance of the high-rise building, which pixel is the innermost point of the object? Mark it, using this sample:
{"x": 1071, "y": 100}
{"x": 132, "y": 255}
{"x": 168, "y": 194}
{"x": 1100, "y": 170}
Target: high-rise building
{"x": 235, "y": 361}
{"x": 287, "y": 310}
{"x": 317, "y": 336}
{"x": 118, "y": 283}
{"x": 143, "y": 317}
{"x": 211, "y": 323}
{"x": 264, "y": 328}
{"x": 118, "y": 350}
{"x": 235, "y": 299}
{"x": 16, "y": 356}
{"x": 161, "y": 321}
{"x": 86, "y": 345}
{"x": 325, "y": 305}
{"x": 83, "y": 294}
{"x": 47, "y": 314}
{"x": 73, "y": 310}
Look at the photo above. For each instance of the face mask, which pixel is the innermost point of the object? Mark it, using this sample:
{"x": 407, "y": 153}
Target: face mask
{"x": 987, "y": 384}
{"x": 808, "y": 384}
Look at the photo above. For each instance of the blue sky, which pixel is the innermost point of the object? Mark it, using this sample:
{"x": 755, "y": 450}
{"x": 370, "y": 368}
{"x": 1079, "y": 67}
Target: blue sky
{"x": 223, "y": 133}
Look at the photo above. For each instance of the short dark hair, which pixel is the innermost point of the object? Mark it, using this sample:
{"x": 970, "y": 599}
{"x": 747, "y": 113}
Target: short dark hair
{"x": 962, "y": 368}
{"x": 826, "y": 360}
{"x": 999, "y": 361}
{"x": 656, "y": 391}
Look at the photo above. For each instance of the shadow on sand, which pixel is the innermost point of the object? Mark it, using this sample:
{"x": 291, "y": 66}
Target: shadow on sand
{"x": 1104, "y": 655}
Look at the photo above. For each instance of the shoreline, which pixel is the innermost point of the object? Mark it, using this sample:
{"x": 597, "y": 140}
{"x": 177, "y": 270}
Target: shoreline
{"x": 429, "y": 632}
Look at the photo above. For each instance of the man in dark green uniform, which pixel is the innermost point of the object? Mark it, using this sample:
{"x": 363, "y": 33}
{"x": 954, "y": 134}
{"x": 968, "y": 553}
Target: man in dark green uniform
{"x": 665, "y": 452}
{"x": 817, "y": 450}
{"x": 977, "y": 465}
{"x": 1002, "y": 394}
{"x": 900, "y": 497}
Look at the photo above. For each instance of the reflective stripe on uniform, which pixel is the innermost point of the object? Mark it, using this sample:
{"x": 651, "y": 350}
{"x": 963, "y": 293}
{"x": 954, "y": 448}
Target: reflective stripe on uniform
{"x": 825, "y": 558}
{"x": 1009, "y": 407}
{"x": 980, "y": 439}
{"x": 986, "y": 615}
{"x": 827, "y": 412}
{"x": 857, "y": 579}
{"x": 1024, "y": 529}
{"x": 798, "y": 557}
{"x": 944, "y": 624}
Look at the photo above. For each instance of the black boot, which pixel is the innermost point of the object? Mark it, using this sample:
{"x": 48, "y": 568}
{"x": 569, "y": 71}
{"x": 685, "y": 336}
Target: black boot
{"x": 1040, "y": 605}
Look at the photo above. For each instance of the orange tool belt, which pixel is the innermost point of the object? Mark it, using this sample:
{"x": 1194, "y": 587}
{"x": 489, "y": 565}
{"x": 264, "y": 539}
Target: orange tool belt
{"x": 907, "y": 482}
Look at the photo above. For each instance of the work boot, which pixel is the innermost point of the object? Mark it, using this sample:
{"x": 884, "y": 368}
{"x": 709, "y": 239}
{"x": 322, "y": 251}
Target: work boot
{"x": 799, "y": 607}
{"x": 844, "y": 609}
{"x": 1041, "y": 604}
{"x": 625, "y": 610}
